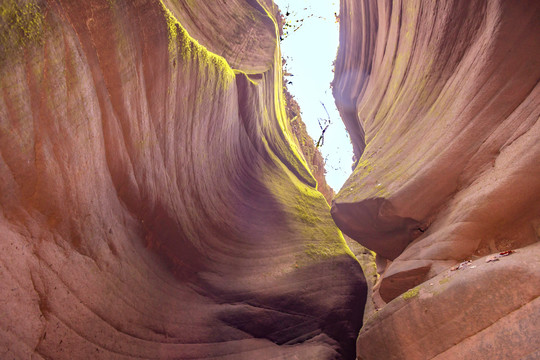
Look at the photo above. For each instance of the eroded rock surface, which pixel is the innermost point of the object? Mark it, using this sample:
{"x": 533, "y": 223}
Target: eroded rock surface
{"x": 442, "y": 101}
{"x": 153, "y": 202}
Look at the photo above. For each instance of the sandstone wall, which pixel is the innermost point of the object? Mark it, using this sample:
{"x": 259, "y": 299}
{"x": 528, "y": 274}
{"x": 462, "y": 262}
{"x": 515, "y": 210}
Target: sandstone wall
{"x": 442, "y": 101}
{"x": 153, "y": 202}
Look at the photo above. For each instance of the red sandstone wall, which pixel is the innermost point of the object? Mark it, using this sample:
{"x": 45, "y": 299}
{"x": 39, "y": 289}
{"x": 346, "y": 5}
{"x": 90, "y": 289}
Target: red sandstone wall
{"x": 153, "y": 203}
{"x": 442, "y": 102}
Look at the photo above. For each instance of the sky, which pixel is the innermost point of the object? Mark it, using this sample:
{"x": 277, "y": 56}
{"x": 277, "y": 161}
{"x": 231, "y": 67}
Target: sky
{"x": 310, "y": 50}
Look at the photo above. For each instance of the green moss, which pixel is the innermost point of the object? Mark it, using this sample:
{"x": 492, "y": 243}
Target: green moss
{"x": 323, "y": 239}
{"x": 182, "y": 45}
{"x": 304, "y": 211}
{"x": 173, "y": 29}
{"x": 382, "y": 191}
{"x": 444, "y": 280}
{"x": 319, "y": 251}
{"x": 290, "y": 156}
{"x": 309, "y": 216}
{"x": 364, "y": 166}
{"x": 411, "y": 293}
{"x": 21, "y": 25}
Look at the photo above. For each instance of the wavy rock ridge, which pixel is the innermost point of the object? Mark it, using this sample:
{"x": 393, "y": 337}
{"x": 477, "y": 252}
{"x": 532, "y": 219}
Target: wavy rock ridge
{"x": 154, "y": 203}
{"x": 442, "y": 101}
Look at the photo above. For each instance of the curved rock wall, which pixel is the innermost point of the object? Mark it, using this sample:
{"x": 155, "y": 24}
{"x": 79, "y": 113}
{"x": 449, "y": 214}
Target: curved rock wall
{"x": 442, "y": 101}
{"x": 153, "y": 202}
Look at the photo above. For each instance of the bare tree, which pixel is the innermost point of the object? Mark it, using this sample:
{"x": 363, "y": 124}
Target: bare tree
{"x": 324, "y": 123}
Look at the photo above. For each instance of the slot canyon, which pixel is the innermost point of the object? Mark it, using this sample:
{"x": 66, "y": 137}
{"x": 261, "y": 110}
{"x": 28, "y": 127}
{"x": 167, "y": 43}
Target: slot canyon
{"x": 156, "y": 201}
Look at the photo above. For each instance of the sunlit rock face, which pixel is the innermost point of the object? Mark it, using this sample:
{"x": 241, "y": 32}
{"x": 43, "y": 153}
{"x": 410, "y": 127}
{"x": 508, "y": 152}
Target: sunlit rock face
{"x": 153, "y": 201}
{"x": 442, "y": 102}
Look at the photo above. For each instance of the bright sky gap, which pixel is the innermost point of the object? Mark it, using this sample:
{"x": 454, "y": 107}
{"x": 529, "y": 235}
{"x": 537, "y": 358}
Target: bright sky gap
{"x": 310, "y": 45}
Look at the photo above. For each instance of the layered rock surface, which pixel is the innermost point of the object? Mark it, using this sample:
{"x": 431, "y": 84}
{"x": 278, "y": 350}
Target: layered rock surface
{"x": 442, "y": 101}
{"x": 153, "y": 201}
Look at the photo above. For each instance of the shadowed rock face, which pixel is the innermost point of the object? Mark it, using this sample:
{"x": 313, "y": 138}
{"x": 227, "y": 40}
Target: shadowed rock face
{"x": 442, "y": 102}
{"x": 153, "y": 202}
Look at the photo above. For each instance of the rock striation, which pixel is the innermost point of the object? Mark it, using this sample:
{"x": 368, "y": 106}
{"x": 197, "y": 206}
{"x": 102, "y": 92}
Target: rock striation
{"x": 154, "y": 203}
{"x": 442, "y": 101}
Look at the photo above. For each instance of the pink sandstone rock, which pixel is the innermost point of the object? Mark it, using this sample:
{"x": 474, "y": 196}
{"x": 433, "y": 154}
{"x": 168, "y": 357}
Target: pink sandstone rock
{"x": 153, "y": 201}
{"x": 442, "y": 102}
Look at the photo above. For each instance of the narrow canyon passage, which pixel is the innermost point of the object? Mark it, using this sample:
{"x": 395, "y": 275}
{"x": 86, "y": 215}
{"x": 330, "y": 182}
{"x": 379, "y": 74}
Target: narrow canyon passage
{"x": 157, "y": 200}
{"x": 309, "y": 39}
